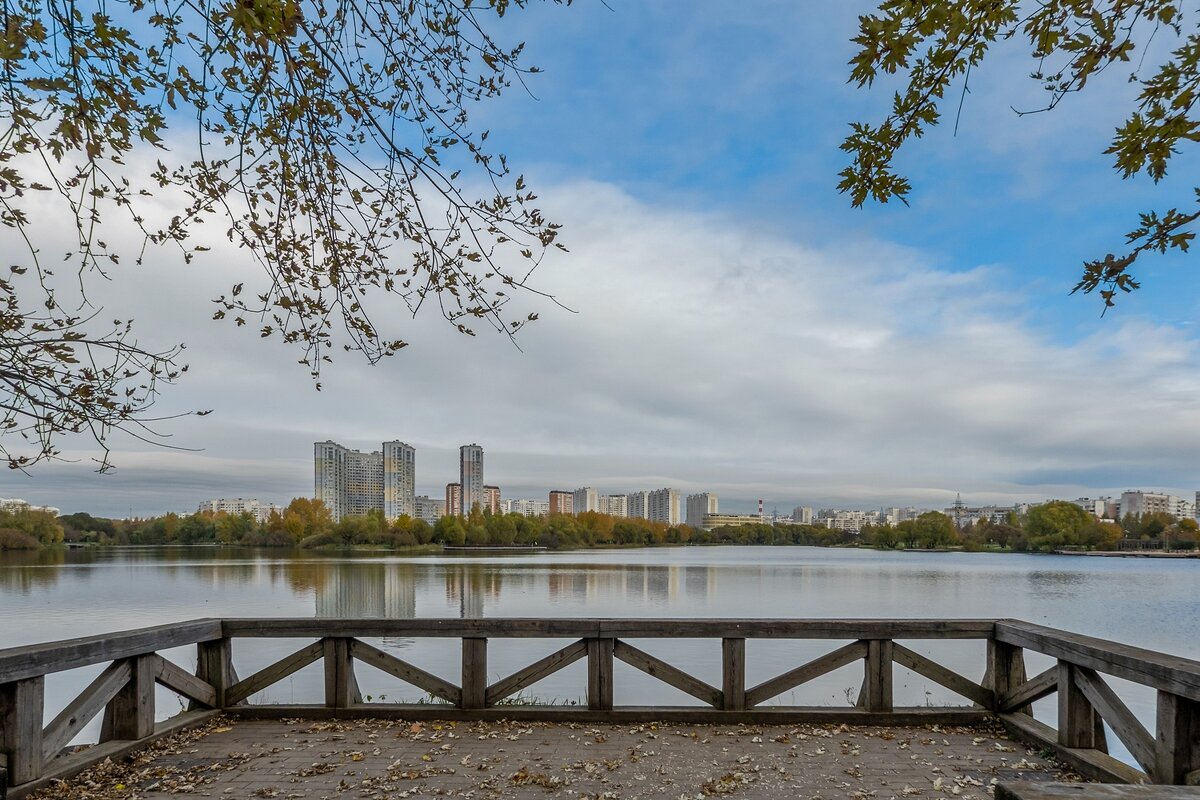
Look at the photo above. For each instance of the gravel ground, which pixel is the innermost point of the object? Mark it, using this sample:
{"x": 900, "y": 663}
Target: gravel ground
{"x": 296, "y": 759}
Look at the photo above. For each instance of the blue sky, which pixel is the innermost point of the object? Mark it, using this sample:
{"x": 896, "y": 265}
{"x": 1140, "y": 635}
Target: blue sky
{"x": 740, "y": 328}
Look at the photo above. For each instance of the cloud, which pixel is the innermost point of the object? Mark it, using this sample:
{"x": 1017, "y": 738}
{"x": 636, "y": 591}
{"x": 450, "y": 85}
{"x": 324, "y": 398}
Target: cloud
{"x": 703, "y": 352}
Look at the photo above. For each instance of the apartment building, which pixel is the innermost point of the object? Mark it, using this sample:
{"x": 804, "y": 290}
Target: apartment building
{"x": 699, "y": 506}
{"x": 662, "y": 505}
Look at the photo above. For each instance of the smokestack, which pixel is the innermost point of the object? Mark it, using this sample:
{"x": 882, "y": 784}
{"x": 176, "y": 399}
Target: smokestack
{"x": 760, "y": 511}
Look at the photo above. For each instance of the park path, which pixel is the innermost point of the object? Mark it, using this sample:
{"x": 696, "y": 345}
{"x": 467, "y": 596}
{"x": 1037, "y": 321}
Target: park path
{"x": 386, "y": 760}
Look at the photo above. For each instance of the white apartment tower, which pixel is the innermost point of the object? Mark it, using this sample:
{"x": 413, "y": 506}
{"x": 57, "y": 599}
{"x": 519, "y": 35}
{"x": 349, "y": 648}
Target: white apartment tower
{"x": 470, "y": 474}
{"x": 585, "y": 499}
{"x": 662, "y": 505}
{"x": 699, "y": 506}
{"x": 351, "y": 482}
{"x": 802, "y": 515}
{"x": 636, "y": 505}
{"x": 399, "y": 478}
{"x": 615, "y": 505}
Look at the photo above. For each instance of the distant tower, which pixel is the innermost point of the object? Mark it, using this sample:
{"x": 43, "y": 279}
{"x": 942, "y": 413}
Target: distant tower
{"x": 959, "y": 509}
{"x": 760, "y": 508}
{"x": 470, "y": 469}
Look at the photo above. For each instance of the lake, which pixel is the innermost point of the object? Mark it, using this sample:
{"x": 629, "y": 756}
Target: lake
{"x": 1153, "y": 603}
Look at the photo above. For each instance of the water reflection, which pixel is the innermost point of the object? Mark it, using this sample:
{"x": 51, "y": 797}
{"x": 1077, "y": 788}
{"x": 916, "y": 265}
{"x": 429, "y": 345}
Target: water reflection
{"x": 370, "y": 591}
{"x": 25, "y": 571}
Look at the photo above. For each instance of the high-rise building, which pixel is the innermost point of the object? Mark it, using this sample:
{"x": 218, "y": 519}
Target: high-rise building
{"x": 615, "y": 505}
{"x": 491, "y": 499}
{"x": 585, "y": 499}
{"x": 637, "y": 505}
{"x": 698, "y": 506}
{"x": 561, "y": 502}
{"x": 1139, "y": 503}
{"x": 348, "y": 481}
{"x": 428, "y": 509}
{"x": 662, "y": 505}
{"x": 802, "y": 515}
{"x": 399, "y": 478}
{"x": 454, "y": 499}
{"x": 470, "y": 476}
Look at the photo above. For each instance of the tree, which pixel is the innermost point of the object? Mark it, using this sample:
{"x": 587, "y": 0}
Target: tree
{"x": 935, "y": 44}
{"x": 332, "y": 145}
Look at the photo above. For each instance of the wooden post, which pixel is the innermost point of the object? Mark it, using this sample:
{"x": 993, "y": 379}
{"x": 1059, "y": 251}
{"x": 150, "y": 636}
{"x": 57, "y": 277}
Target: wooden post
{"x": 877, "y": 683}
{"x": 1005, "y": 672}
{"x": 130, "y": 714}
{"x": 21, "y": 728}
{"x": 1177, "y": 745}
{"x": 474, "y": 672}
{"x": 214, "y": 666}
{"x": 1078, "y": 723}
{"x": 600, "y": 674}
{"x": 733, "y": 674}
{"x": 341, "y": 687}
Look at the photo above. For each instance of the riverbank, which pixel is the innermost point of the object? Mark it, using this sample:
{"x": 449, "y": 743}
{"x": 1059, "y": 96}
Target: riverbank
{"x": 1131, "y": 553}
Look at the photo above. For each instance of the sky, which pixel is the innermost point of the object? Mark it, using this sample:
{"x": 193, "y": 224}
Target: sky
{"x": 734, "y": 326}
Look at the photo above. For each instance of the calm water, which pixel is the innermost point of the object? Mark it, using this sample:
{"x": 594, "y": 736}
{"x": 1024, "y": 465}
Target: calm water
{"x": 1152, "y": 603}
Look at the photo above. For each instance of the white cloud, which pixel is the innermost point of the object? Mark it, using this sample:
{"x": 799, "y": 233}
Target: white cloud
{"x": 706, "y": 353}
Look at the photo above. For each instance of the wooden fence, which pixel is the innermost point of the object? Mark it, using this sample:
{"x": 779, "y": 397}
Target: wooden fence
{"x": 33, "y": 751}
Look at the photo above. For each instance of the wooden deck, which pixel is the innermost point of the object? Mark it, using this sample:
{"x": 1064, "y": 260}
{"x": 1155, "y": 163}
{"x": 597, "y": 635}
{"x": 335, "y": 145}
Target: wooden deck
{"x": 395, "y": 759}
{"x": 34, "y": 750}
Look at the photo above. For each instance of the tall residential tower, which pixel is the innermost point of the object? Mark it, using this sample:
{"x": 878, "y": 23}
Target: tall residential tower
{"x": 470, "y": 477}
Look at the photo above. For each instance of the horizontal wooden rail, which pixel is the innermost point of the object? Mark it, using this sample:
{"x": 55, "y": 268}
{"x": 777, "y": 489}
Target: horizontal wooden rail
{"x": 31, "y": 749}
{"x": 539, "y": 628}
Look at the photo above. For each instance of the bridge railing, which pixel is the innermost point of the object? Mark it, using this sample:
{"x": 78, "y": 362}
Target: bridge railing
{"x": 34, "y": 751}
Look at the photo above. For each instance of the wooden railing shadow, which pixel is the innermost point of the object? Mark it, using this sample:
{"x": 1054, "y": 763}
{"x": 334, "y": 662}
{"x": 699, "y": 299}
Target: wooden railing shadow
{"x": 33, "y": 752}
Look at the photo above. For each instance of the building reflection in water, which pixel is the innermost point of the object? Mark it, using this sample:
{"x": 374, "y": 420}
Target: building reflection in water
{"x": 646, "y": 585}
{"x": 367, "y": 591}
{"x": 468, "y": 585}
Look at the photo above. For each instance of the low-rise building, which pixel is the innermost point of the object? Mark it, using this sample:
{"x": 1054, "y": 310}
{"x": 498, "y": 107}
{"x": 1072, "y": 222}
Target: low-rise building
{"x": 428, "y": 509}
{"x": 260, "y": 511}
{"x": 710, "y": 521}
{"x": 15, "y": 504}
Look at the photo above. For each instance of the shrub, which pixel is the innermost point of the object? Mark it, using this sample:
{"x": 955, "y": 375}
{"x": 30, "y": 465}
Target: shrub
{"x": 13, "y": 539}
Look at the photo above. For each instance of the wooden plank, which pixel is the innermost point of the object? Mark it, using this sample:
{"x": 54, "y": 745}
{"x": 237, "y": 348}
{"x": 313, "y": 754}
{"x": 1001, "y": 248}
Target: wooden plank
{"x": 1166, "y": 673}
{"x": 1077, "y": 720}
{"x": 536, "y": 671}
{"x": 1125, "y": 725}
{"x": 18, "y": 663}
{"x": 474, "y": 672}
{"x": 671, "y": 675}
{"x": 214, "y": 666}
{"x": 130, "y": 714}
{"x": 700, "y": 715}
{"x": 600, "y": 673}
{"x": 270, "y": 675}
{"x": 1177, "y": 743}
{"x": 1092, "y": 764}
{"x": 1048, "y": 790}
{"x": 84, "y": 708}
{"x": 844, "y": 655}
{"x": 733, "y": 674}
{"x": 941, "y": 675}
{"x": 496, "y": 627}
{"x": 70, "y": 765}
{"x": 341, "y": 687}
{"x": 1005, "y": 673}
{"x": 179, "y": 680}
{"x": 1041, "y": 685}
{"x": 21, "y": 704}
{"x": 877, "y": 682}
{"x": 405, "y": 671}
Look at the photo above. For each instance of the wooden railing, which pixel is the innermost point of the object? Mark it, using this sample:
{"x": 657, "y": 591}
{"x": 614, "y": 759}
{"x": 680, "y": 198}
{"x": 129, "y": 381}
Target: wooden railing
{"x": 33, "y": 751}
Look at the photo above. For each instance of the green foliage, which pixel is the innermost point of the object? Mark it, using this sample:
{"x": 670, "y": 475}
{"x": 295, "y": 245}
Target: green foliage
{"x": 1059, "y": 524}
{"x": 40, "y": 526}
{"x": 936, "y": 44}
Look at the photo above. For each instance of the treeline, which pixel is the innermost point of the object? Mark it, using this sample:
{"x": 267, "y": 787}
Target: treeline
{"x": 307, "y": 523}
{"x": 1057, "y": 525}
{"x": 29, "y": 529}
